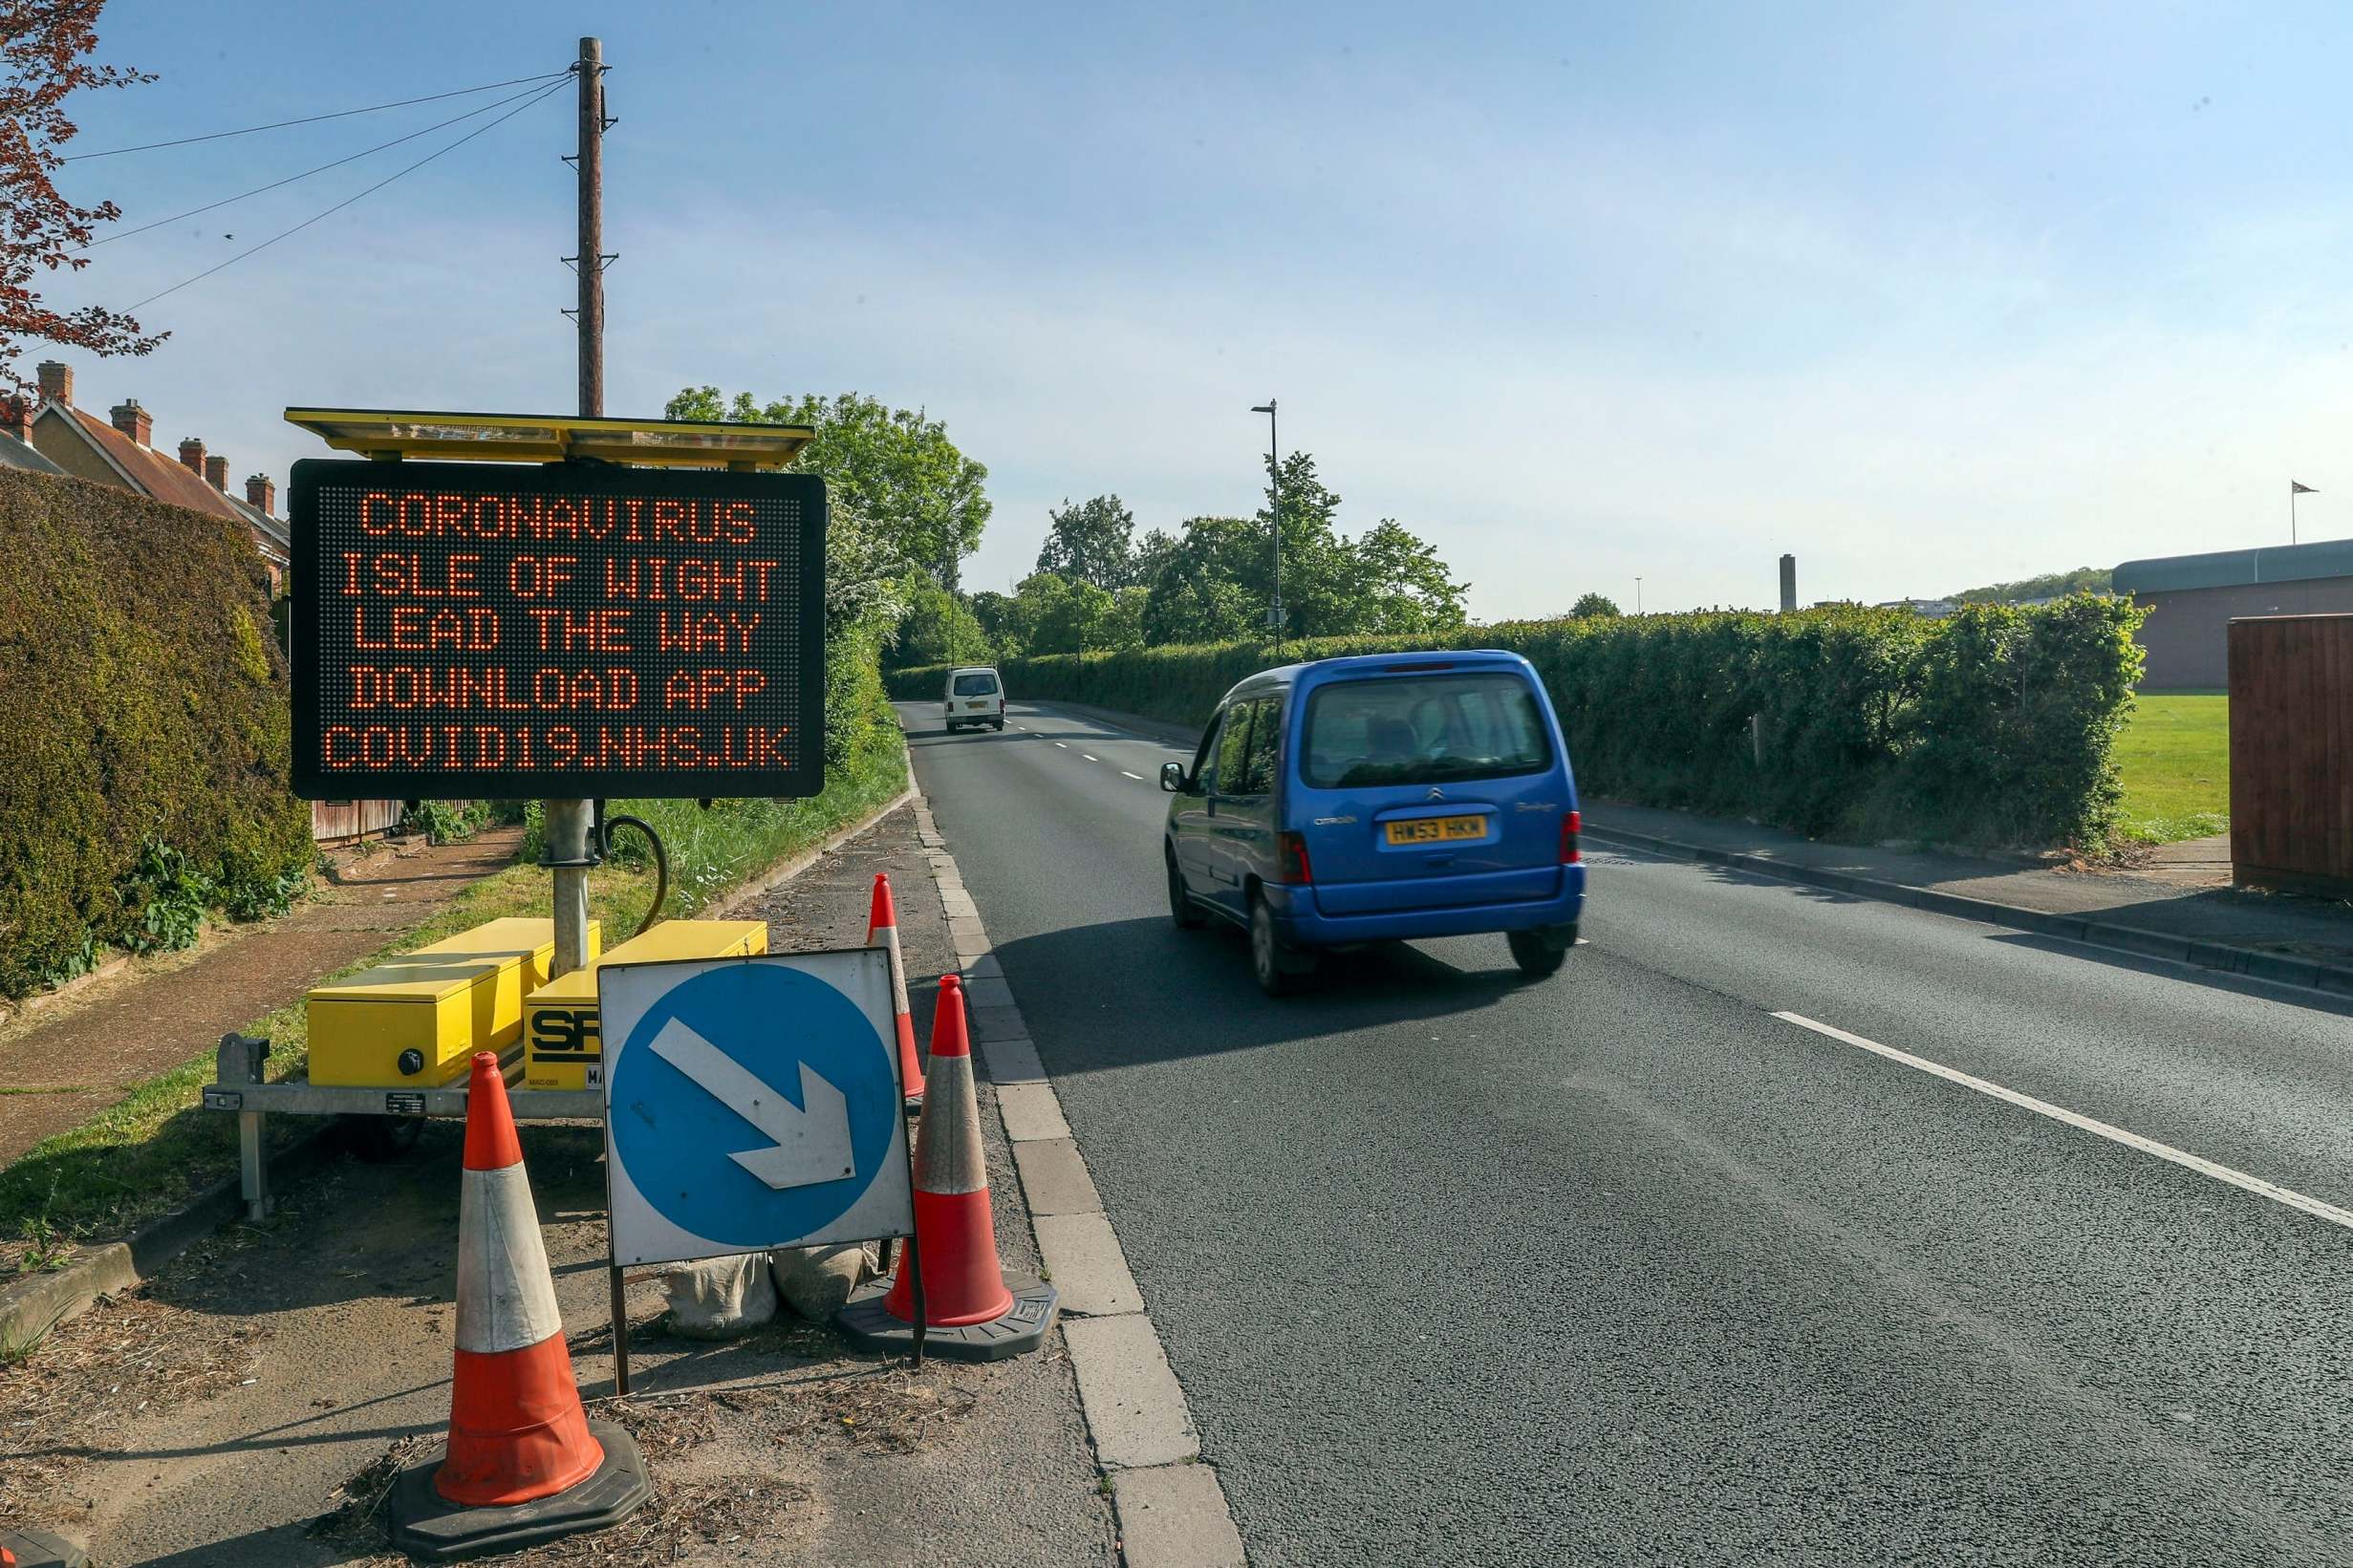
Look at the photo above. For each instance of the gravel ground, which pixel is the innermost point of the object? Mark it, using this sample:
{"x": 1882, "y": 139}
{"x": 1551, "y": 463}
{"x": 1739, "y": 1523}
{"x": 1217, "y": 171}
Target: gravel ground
{"x": 247, "y": 1406}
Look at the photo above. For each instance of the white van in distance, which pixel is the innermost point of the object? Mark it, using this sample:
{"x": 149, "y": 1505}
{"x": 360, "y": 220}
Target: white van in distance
{"x": 975, "y": 697}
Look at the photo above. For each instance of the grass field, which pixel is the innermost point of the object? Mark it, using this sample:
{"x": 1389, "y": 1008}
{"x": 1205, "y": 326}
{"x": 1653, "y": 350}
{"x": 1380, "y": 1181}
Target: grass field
{"x": 2173, "y": 757}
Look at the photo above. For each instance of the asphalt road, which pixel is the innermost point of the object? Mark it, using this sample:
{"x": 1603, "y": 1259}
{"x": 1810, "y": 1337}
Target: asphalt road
{"x": 1624, "y": 1267}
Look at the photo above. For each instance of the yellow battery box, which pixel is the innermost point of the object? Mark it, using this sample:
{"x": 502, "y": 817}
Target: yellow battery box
{"x": 416, "y": 1021}
{"x": 562, "y": 1048}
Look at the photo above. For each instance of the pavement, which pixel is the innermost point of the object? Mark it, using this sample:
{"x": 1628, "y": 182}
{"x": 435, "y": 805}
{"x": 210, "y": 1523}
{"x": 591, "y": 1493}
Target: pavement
{"x": 212, "y": 1416}
{"x": 2181, "y": 889}
{"x": 1782, "y": 1225}
{"x": 64, "y": 1059}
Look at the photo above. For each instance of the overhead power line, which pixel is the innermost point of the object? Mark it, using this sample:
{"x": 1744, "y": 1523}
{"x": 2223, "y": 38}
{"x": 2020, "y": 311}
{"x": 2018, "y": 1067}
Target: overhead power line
{"x": 312, "y": 120}
{"x": 230, "y": 201}
{"x": 540, "y": 96}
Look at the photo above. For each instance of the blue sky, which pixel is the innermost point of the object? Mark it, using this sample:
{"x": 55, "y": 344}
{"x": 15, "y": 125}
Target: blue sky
{"x": 1929, "y": 295}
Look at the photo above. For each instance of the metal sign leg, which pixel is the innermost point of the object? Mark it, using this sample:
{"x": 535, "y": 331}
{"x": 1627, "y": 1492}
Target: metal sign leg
{"x": 621, "y": 1328}
{"x": 922, "y": 1314}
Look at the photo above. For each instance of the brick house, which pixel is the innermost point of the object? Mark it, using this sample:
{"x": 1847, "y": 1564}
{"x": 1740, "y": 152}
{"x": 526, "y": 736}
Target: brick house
{"x": 116, "y": 451}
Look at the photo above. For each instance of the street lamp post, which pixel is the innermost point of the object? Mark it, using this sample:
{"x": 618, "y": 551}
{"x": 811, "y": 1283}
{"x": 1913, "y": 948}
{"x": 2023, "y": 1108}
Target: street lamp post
{"x": 1274, "y": 484}
{"x": 1637, "y": 595}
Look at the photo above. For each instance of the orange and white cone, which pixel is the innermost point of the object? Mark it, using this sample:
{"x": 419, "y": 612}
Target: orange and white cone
{"x": 516, "y": 1428}
{"x": 969, "y": 1310}
{"x": 882, "y": 931}
{"x": 524, "y": 1463}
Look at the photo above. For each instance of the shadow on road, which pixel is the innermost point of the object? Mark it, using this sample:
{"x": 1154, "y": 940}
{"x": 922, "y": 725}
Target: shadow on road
{"x": 1189, "y": 992}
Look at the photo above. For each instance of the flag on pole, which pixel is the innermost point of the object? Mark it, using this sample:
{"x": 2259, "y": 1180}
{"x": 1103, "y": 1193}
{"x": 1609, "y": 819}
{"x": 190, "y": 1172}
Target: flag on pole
{"x": 2296, "y": 489}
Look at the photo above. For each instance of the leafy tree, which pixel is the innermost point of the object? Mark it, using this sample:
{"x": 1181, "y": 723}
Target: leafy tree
{"x": 1316, "y": 593}
{"x": 895, "y": 468}
{"x": 43, "y": 45}
{"x": 940, "y": 628}
{"x": 1152, "y": 555}
{"x": 1089, "y": 543}
{"x": 1124, "y": 627}
{"x": 1213, "y": 582}
{"x": 1063, "y": 616}
{"x": 2051, "y": 585}
{"x": 1595, "y": 604}
{"x": 1396, "y": 583}
{"x": 1204, "y": 590}
{"x": 1001, "y": 621}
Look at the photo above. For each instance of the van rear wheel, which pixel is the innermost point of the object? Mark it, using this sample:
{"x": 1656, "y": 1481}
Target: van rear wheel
{"x": 1277, "y": 966}
{"x": 1536, "y": 956}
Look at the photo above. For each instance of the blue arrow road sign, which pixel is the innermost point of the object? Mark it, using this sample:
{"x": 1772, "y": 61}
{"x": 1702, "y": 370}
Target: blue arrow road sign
{"x": 750, "y": 1103}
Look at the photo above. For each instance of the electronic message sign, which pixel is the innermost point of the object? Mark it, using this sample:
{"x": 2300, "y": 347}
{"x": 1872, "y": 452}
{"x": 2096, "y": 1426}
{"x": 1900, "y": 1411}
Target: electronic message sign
{"x": 563, "y": 631}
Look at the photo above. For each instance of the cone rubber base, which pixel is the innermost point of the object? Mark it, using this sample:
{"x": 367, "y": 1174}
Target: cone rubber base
{"x": 40, "y": 1549}
{"x": 432, "y": 1529}
{"x": 1021, "y": 1330}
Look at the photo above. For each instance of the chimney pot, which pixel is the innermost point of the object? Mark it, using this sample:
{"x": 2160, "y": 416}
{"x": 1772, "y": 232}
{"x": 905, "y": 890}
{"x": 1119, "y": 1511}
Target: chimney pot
{"x": 57, "y": 381}
{"x": 192, "y": 454}
{"x": 261, "y": 493}
{"x": 216, "y": 472}
{"x": 133, "y": 421}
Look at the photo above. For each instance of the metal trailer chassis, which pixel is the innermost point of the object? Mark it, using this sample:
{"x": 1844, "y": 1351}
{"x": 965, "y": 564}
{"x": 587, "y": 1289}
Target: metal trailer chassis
{"x": 239, "y": 1088}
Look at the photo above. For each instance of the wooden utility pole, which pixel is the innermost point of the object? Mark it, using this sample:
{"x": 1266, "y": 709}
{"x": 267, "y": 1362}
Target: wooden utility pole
{"x": 569, "y": 824}
{"x": 590, "y": 261}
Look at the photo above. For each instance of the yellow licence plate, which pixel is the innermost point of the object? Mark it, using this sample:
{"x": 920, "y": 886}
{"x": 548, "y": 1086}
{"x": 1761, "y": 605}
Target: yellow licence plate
{"x": 1437, "y": 829}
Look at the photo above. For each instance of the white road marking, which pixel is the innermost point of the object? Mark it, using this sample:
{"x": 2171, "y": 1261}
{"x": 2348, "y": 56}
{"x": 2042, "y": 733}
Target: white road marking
{"x": 1062, "y": 745}
{"x": 1125, "y": 774}
{"x": 2115, "y": 1134}
{"x": 1083, "y": 757}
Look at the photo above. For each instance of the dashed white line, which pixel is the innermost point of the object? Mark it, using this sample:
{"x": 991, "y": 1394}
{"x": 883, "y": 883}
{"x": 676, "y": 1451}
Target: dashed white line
{"x": 1084, "y": 758}
{"x": 2060, "y": 1113}
{"x": 1061, "y": 746}
{"x": 1125, "y": 774}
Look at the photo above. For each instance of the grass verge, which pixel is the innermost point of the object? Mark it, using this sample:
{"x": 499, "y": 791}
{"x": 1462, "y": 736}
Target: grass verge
{"x": 154, "y": 1148}
{"x": 2173, "y": 759}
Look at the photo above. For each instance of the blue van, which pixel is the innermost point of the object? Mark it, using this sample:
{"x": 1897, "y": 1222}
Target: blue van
{"x": 1379, "y": 797}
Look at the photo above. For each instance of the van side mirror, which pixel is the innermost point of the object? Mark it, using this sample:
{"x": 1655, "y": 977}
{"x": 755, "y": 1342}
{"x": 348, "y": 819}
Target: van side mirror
{"x": 1173, "y": 778}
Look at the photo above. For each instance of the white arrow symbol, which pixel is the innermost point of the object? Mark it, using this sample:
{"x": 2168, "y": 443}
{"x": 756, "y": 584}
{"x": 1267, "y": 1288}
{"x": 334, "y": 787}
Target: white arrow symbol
{"x": 810, "y": 1145}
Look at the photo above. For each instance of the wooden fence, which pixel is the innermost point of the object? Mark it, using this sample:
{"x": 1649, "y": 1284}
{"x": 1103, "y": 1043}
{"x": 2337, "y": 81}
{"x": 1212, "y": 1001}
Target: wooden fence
{"x": 342, "y": 822}
{"x": 2292, "y": 753}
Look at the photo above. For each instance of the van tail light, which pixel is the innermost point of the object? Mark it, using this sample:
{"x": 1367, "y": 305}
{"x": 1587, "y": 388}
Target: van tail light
{"x": 1292, "y": 854}
{"x": 1570, "y": 827}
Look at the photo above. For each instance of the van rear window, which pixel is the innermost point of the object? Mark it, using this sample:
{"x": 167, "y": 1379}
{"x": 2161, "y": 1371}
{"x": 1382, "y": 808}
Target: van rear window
{"x": 1429, "y": 729}
{"x": 982, "y": 685}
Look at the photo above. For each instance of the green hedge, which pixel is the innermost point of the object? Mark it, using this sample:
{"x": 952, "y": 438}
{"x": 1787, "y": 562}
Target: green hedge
{"x": 144, "y": 728}
{"x": 1992, "y": 726}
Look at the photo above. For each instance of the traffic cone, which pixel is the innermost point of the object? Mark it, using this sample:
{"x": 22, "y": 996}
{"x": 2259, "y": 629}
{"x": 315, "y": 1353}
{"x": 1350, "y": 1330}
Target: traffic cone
{"x": 970, "y": 1310}
{"x": 524, "y": 1463}
{"x": 882, "y": 926}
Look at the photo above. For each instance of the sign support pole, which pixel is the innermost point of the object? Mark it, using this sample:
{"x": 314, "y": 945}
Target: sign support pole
{"x": 568, "y": 822}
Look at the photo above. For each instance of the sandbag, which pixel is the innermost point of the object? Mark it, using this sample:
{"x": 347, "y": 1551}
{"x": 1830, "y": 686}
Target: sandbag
{"x": 720, "y": 1298}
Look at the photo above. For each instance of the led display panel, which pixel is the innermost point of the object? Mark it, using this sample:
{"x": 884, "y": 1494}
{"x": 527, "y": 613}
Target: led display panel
{"x": 570, "y": 631}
